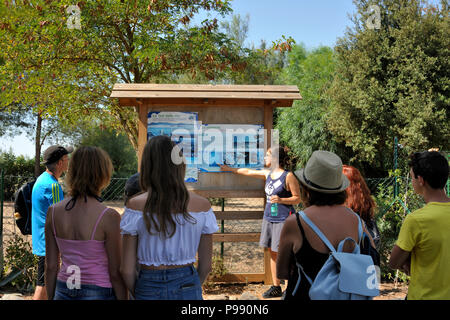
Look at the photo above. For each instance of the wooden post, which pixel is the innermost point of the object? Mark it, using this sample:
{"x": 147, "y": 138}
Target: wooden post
{"x": 142, "y": 132}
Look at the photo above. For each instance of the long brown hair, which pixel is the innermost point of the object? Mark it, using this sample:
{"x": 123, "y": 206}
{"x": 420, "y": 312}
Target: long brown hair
{"x": 358, "y": 195}
{"x": 90, "y": 170}
{"x": 164, "y": 181}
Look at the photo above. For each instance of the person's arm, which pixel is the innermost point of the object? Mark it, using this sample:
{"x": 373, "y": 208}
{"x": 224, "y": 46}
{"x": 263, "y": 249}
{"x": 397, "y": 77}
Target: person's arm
{"x": 293, "y": 186}
{"x": 205, "y": 247}
{"x": 51, "y": 256}
{"x": 400, "y": 259}
{"x": 113, "y": 248}
{"x": 286, "y": 246}
{"x": 260, "y": 174}
{"x": 129, "y": 258}
{"x": 408, "y": 237}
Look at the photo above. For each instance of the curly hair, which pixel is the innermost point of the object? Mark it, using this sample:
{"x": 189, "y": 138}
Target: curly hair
{"x": 359, "y": 198}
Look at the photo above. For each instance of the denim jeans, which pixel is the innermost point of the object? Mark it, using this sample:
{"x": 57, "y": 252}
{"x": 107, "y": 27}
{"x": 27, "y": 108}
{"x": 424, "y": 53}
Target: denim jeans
{"x": 170, "y": 284}
{"x": 86, "y": 292}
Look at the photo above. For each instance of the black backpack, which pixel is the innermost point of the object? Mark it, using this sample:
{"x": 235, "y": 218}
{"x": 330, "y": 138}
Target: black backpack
{"x": 22, "y": 207}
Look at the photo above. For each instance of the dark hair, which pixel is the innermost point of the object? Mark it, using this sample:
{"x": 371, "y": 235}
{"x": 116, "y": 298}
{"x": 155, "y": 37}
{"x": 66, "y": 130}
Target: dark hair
{"x": 358, "y": 195}
{"x": 132, "y": 187}
{"x": 431, "y": 166}
{"x": 311, "y": 197}
{"x": 164, "y": 181}
{"x": 284, "y": 160}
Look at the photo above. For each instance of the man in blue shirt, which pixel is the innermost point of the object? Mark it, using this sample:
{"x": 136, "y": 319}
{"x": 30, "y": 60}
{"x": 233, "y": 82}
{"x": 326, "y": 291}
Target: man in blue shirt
{"x": 46, "y": 192}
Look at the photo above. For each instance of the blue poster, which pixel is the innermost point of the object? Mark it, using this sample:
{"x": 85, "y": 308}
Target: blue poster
{"x": 181, "y": 127}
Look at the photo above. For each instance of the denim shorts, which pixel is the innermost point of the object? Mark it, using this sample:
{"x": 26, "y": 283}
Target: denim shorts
{"x": 86, "y": 292}
{"x": 170, "y": 284}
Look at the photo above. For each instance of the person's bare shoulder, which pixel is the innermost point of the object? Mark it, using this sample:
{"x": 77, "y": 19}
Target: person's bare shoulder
{"x": 137, "y": 202}
{"x": 198, "y": 203}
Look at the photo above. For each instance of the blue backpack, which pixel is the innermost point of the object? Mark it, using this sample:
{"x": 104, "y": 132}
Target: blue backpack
{"x": 344, "y": 276}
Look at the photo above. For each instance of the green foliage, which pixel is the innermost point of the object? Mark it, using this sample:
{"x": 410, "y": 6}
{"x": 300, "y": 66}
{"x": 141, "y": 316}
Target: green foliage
{"x": 391, "y": 214}
{"x": 218, "y": 270}
{"x": 19, "y": 256}
{"x": 393, "y": 81}
{"x": 17, "y": 171}
{"x": 303, "y": 127}
{"x": 69, "y": 73}
{"x": 122, "y": 153}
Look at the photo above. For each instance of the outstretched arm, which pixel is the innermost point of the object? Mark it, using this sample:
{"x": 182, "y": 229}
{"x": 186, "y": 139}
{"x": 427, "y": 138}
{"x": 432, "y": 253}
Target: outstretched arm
{"x": 261, "y": 174}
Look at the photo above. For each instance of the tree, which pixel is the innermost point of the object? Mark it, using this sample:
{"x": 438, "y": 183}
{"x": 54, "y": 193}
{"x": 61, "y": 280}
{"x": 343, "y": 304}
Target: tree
{"x": 132, "y": 41}
{"x": 303, "y": 127}
{"x": 116, "y": 145}
{"x": 393, "y": 81}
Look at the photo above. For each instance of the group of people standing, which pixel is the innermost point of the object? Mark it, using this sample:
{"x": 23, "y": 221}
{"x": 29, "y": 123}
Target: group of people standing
{"x": 151, "y": 250}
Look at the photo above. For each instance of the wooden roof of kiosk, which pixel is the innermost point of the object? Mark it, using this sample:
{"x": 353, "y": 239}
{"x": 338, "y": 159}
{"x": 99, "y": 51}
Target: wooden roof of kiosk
{"x": 244, "y": 104}
{"x": 216, "y": 104}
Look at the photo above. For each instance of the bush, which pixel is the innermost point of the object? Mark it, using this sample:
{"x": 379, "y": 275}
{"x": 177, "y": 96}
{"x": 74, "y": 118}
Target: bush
{"x": 390, "y": 217}
{"x": 19, "y": 256}
{"x": 17, "y": 171}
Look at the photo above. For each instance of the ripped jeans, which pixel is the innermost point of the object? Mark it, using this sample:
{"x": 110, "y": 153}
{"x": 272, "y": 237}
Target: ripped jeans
{"x": 169, "y": 284}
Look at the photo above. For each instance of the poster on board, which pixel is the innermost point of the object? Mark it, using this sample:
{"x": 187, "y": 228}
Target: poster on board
{"x": 237, "y": 145}
{"x": 183, "y": 128}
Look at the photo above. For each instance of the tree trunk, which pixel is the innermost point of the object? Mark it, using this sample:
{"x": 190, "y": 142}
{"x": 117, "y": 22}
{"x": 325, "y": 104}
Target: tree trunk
{"x": 37, "y": 143}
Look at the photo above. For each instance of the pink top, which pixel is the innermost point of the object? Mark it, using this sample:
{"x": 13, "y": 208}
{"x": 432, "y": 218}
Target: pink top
{"x": 86, "y": 256}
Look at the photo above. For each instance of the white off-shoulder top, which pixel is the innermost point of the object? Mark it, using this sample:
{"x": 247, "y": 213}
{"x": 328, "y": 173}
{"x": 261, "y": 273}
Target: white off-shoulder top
{"x": 180, "y": 249}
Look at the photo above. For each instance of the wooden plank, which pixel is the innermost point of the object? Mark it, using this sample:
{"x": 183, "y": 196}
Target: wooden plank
{"x": 200, "y": 103}
{"x": 142, "y": 132}
{"x": 268, "y": 124}
{"x": 206, "y": 95}
{"x": 239, "y": 215}
{"x": 240, "y": 278}
{"x": 267, "y": 268}
{"x": 208, "y": 193}
{"x": 236, "y": 237}
{"x": 202, "y": 87}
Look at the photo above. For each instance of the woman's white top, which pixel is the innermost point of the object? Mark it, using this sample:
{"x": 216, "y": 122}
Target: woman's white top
{"x": 179, "y": 249}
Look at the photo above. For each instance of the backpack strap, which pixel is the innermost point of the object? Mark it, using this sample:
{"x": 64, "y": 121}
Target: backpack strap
{"x": 360, "y": 229}
{"x": 317, "y": 231}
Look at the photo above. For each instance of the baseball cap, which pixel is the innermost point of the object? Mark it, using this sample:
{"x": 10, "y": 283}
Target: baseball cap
{"x": 54, "y": 153}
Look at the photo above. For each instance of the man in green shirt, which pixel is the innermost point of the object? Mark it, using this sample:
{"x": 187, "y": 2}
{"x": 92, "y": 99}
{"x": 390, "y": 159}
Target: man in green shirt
{"x": 423, "y": 246}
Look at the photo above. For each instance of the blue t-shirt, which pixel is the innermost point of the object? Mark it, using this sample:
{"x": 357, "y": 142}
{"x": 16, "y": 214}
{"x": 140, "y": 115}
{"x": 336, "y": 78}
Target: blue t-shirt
{"x": 46, "y": 192}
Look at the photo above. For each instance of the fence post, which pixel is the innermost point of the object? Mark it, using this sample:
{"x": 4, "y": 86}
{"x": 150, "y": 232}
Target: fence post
{"x": 395, "y": 167}
{"x": 222, "y": 229}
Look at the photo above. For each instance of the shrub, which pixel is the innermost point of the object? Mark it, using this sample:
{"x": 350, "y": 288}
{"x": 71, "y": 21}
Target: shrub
{"x": 390, "y": 217}
{"x": 19, "y": 256}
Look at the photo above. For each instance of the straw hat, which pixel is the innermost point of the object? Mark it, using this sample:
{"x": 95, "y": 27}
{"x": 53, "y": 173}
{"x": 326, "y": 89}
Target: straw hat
{"x": 323, "y": 173}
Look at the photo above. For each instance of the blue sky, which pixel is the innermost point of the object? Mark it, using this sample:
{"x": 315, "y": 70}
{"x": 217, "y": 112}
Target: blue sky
{"x": 313, "y": 22}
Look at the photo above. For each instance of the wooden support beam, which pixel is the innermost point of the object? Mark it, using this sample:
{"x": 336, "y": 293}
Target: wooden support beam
{"x": 142, "y": 132}
{"x": 239, "y": 215}
{"x": 208, "y": 193}
{"x": 267, "y": 268}
{"x": 236, "y": 237}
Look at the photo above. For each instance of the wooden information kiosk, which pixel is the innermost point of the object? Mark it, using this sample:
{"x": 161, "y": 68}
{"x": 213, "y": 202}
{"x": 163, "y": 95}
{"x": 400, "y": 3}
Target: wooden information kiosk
{"x": 216, "y": 104}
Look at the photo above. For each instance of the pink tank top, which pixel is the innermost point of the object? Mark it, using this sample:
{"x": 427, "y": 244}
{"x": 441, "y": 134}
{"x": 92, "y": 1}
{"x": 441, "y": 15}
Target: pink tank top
{"x": 84, "y": 258}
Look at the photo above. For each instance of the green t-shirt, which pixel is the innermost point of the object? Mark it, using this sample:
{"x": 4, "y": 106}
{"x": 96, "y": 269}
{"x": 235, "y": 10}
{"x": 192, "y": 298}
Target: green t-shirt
{"x": 426, "y": 234}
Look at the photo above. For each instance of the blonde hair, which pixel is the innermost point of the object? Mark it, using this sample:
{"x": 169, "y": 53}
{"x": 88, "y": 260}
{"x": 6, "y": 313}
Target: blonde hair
{"x": 90, "y": 170}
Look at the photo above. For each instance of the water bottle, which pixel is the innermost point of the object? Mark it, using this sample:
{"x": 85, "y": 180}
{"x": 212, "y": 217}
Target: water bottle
{"x": 274, "y": 209}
